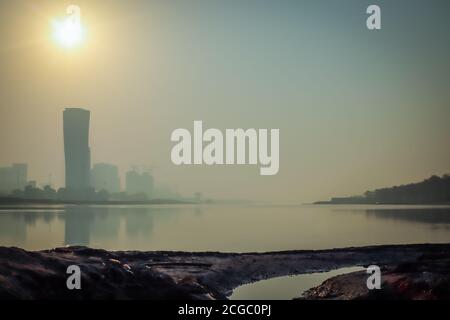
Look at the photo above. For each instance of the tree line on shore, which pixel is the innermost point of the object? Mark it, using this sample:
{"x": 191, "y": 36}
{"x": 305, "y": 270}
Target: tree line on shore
{"x": 434, "y": 190}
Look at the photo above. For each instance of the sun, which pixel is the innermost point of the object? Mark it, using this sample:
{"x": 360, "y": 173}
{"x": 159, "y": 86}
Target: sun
{"x": 68, "y": 33}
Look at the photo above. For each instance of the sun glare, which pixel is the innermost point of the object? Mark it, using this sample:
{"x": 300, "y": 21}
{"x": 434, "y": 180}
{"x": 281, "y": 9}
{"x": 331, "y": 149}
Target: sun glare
{"x": 68, "y": 33}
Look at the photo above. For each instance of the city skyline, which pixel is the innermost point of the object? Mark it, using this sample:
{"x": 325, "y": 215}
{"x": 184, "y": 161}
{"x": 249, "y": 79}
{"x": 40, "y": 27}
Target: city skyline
{"x": 223, "y": 151}
{"x": 80, "y": 176}
{"x": 357, "y": 109}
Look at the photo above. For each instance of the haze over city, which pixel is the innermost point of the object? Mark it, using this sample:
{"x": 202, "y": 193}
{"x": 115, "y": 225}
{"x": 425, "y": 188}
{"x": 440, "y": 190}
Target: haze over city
{"x": 225, "y": 154}
{"x": 356, "y": 109}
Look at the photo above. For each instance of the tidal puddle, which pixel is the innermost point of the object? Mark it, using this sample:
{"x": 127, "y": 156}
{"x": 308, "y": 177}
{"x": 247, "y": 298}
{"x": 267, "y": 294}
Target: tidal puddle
{"x": 285, "y": 288}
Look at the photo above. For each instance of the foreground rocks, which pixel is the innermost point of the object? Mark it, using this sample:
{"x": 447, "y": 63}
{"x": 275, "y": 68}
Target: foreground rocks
{"x": 425, "y": 278}
{"x": 410, "y": 271}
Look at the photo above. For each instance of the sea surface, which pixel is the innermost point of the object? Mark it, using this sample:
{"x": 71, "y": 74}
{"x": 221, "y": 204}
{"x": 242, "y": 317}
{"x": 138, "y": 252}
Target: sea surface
{"x": 228, "y": 228}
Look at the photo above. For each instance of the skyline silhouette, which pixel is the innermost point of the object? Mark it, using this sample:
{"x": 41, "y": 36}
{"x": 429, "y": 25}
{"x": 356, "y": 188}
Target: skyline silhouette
{"x": 358, "y": 109}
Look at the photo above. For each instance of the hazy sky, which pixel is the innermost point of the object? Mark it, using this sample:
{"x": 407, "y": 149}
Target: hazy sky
{"x": 356, "y": 109}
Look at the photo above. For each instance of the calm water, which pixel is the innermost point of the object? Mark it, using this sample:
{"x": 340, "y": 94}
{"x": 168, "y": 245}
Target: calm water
{"x": 222, "y": 228}
{"x": 286, "y": 288}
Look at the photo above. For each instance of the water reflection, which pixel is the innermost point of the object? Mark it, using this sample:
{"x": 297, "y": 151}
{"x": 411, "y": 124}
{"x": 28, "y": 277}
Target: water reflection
{"x": 435, "y": 217}
{"x": 84, "y": 225}
{"x": 222, "y": 228}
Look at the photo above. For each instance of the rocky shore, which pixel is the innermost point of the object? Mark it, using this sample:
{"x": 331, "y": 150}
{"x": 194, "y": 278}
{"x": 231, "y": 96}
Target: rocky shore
{"x": 425, "y": 278}
{"x": 409, "y": 272}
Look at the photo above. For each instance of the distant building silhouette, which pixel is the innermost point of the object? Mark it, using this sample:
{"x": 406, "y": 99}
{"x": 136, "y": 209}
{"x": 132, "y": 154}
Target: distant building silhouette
{"x": 76, "y": 149}
{"x": 105, "y": 176}
{"x": 13, "y": 178}
{"x": 139, "y": 183}
{"x": 32, "y": 184}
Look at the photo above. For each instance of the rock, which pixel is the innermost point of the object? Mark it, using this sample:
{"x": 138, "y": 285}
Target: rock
{"x": 410, "y": 272}
{"x": 426, "y": 278}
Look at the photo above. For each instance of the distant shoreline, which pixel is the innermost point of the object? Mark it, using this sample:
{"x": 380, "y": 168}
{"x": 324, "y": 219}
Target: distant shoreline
{"x": 432, "y": 191}
{"x": 382, "y": 203}
{"x": 14, "y": 203}
{"x": 18, "y": 201}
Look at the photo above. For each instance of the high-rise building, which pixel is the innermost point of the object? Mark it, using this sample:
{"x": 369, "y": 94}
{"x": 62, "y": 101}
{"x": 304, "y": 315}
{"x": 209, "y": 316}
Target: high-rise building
{"x": 105, "y": 176}
{"x": 139, "y": 183}
{"x": 76, "y": 149}
{"x": 13, "y": 178}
